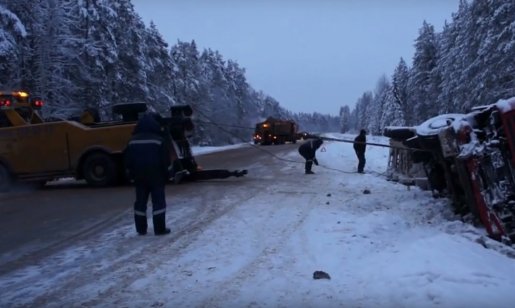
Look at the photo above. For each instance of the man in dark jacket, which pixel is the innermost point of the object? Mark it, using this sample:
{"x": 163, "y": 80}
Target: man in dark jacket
{"x": 147, "y": 159}
{"x": 359, "y": 147}
{"x": 308, "y": 151}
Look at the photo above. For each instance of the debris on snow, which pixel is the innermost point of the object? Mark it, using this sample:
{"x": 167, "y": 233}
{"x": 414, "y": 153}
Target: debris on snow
{"x": 321, "y": 275}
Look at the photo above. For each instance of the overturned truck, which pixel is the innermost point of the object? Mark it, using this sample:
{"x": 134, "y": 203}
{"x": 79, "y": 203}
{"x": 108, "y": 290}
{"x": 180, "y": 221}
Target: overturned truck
{"x": 469, "y": 158}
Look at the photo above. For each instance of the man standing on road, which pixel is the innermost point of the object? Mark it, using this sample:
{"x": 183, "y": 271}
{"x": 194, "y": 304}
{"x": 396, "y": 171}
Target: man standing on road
{"x": 308, "y": 150}
{"x": 360, "y": 144}
{"x": 147, "y": 159}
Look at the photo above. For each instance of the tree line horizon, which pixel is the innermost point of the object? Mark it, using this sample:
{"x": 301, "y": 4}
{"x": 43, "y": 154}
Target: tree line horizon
{"x": 97, "y": 53}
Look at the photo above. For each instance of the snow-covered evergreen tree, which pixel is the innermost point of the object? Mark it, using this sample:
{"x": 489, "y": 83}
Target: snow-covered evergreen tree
{"x": 54, "y": 57}
{"x": 422, "y": 84}
{"x": 391, "y": 114}
{"x": 25, "y": 10}
{"x": 493, "y": 70}
{"x": 158, "y": 71}
{"x": 186, "y": 73}
{"x": 400, "y": 109}
{"x": 382, "y": 98}
{"x": 345, "y": 119}
{"x": 12, "y": 31}
{"x": 363, "y": 111}
{"x": 456, "y": 58}
{"x": 126, "y": 44}
{"x": 96, "y": 53}
{"x": 446, "y": 65}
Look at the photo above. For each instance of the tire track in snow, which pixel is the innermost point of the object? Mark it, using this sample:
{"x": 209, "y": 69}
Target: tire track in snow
{"x": 175, "y": 244}
{"x": 36, "y": 257}
{"x": 275, "y": 242}
{"x": 130, "y": 250}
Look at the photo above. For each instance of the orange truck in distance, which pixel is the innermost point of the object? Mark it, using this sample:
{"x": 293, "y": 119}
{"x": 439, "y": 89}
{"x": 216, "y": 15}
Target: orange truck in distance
{"x": 275, "y": 131}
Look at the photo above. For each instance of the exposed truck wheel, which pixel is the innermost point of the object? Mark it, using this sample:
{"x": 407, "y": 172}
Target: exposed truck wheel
{"x": 99, "y": 169}
{"x": 6, "y": 180}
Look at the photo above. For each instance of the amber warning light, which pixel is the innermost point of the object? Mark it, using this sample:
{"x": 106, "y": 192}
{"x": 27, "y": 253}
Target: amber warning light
{"x": 21, "y": 94}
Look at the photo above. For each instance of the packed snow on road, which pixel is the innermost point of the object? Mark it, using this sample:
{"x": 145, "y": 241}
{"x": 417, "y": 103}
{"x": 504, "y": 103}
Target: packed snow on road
{"x": 373, "y": 242}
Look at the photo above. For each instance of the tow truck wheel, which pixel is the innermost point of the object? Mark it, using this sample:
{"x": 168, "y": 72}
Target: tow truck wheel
{"x": 99, "y": 170}
{"x": 5, "y": 179}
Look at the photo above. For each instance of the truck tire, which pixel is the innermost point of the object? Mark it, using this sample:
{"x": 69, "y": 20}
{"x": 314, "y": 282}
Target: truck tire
{"x": 99, "y": 170}
{"x": 6, "y": 180}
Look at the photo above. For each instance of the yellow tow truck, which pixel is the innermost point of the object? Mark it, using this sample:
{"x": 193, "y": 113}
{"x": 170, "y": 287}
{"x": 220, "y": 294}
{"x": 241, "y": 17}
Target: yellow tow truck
{"x": 35, "y": 150}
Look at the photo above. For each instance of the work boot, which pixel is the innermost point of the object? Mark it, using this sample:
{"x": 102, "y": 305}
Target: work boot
{"x": 308, "y": 166}
{"x": 178, "y": 177}
{"x": 160, "y": 224}
{"x": 162, "y": 232}
{"x": 141, "y": 224}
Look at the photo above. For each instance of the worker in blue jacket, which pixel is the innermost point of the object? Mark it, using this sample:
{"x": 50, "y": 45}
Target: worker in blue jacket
{"x": 148, "y": 163}
{"x": 308, "y": 150}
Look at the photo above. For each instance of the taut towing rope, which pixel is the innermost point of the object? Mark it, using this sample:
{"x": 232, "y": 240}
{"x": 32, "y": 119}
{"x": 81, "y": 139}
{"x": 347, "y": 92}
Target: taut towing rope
{"x": 374, "y": 144}
{"x": 221, "y": 127}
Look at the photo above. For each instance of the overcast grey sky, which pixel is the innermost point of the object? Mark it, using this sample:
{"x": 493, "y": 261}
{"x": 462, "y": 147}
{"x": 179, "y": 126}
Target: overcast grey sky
{"x": 310, "y": 55}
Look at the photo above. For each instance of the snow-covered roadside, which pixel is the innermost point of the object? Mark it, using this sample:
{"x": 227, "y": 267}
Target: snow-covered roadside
{"x": 393, "y": 247}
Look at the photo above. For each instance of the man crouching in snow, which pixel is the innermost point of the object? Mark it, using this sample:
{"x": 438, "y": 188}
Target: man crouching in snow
{"x": 308, "y": 151}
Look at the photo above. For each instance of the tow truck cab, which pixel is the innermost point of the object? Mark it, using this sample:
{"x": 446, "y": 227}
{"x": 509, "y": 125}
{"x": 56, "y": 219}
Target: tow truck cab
{"x": 17, "y": 108}
{"x": 34, "y": 150}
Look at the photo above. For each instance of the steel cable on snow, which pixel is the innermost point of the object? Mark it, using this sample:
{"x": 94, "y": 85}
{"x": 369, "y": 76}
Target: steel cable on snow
{"x": 221, "y": 127}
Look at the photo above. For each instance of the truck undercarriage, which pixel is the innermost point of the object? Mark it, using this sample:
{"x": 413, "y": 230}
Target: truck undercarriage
{"x": 470, "y": 159}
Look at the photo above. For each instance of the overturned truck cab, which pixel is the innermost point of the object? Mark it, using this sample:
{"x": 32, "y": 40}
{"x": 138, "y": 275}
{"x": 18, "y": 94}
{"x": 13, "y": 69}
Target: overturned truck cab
{"x": 470, "y": 158}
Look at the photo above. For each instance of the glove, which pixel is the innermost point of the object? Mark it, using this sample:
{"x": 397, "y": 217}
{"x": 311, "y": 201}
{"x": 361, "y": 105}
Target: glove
{"x": 315, "y": 161}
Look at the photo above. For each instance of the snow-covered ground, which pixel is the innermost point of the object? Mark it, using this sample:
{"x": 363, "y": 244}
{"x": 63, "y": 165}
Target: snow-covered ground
{"x": 392, "y": 247}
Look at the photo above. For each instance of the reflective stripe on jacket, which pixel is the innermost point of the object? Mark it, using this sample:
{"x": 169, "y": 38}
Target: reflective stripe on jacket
{"x": 147, "y": 156}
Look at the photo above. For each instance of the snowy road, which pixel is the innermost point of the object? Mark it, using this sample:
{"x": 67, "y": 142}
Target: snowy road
{"x": 256, "y": 241}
